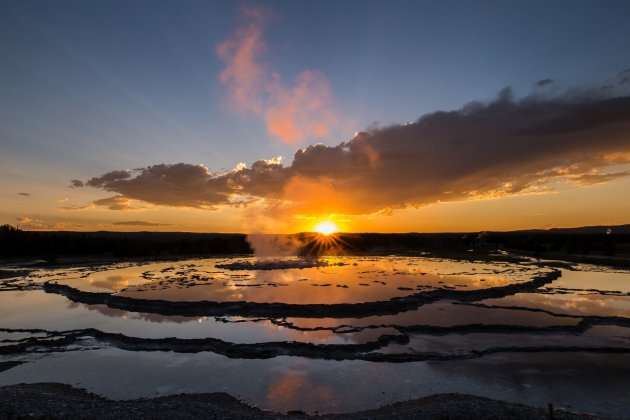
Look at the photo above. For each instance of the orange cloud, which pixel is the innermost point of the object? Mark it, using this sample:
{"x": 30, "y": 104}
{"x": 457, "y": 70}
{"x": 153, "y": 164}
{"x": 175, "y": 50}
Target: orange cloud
{"x": 77, "y": 208}
{"x": 292, "y": 114}
{"x": 117, "y": 202}
{"x": 304, "y": 111}
{"x": 294, "y": 388}
{"x": 243, "y": 76}
{"x": 302, "y": 195}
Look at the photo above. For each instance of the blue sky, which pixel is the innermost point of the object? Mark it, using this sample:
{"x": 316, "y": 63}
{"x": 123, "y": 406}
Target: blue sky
{"x": 89, "y": 87}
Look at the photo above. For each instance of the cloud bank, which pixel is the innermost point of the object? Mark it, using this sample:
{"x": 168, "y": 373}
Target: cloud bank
{"x": 497, "y": 149}
{"x": 291, "y": 113}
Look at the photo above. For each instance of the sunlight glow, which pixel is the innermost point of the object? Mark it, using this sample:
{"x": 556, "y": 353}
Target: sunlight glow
{"x": 326, "y": 227}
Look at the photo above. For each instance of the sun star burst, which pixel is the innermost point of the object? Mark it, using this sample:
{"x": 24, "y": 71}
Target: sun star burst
{"x": 326, "y": 228}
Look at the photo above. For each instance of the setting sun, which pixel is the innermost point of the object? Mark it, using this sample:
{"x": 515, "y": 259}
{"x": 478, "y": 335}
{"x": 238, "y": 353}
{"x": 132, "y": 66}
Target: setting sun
{"x": 326, "y": 227}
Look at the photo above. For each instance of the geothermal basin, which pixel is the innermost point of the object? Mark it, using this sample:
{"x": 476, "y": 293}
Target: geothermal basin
{"x": 327, "y": 335}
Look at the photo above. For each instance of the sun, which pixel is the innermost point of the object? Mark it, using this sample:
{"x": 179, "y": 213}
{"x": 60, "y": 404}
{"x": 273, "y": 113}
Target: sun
{"x": 324, "y": 240}
{"x": 326, "y": 228}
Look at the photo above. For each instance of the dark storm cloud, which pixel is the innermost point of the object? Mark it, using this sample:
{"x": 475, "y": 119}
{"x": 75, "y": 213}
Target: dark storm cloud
{"x": 482, "y": 150}
{"x": 75, "y": 183}
{"x": 543, "y": 82}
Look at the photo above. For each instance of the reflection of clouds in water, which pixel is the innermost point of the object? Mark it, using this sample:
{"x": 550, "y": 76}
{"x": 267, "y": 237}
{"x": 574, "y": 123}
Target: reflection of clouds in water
{"x": 359, "y": 279}
{"x": 273, "y": 329}
{"x": 479, "y": 281}
{"x": 588, "y": 381}
{"x": 114, "y": 283}
{"x": 294, "y": 388}
{"x": 102, "y": 309}
{"x": 572, "y": 304}
{"x": 119, "y": 313}
{"x": 442, "y": 314}
{"x": 593, "y": 277}
{"x": 284, "y": 276}
{"x": 293, "y": 383}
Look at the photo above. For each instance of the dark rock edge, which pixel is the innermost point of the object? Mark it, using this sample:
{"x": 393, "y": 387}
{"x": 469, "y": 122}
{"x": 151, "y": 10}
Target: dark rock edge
{"x": 60, "y": 401}
{"x": 357, "y": 310}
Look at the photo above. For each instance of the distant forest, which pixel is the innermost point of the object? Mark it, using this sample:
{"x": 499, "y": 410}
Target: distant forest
{"x": 593, "y": 241}
{"x": 50, "y": 245}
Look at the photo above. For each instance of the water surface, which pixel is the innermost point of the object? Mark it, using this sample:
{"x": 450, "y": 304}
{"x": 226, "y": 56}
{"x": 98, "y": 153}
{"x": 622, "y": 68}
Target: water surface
{"x": 473, "y": 327}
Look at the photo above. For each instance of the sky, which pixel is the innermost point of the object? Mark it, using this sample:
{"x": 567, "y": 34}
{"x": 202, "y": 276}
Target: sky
{"x": 399, "y": 116}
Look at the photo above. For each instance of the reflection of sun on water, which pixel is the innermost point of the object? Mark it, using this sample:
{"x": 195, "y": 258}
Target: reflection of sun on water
{"x": 326, "y": 227}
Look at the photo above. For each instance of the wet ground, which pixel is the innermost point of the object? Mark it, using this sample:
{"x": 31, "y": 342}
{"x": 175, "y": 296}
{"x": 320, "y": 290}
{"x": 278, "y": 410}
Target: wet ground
{"x": 328, "y": 336}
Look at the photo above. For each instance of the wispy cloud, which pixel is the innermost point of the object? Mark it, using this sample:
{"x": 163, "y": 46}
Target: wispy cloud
{"x": 25, "y": 194}
{"x": 117, "y": 202}
{"x": 140, "y": 223}
{"x": 543, "y": 82}
{"x": 77, "y": 208}
{"x": 496, "y": 149}
{"x": 292, "y": 113}
{"x": 29, "y": 223}
{"x": 623, "y": 78}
